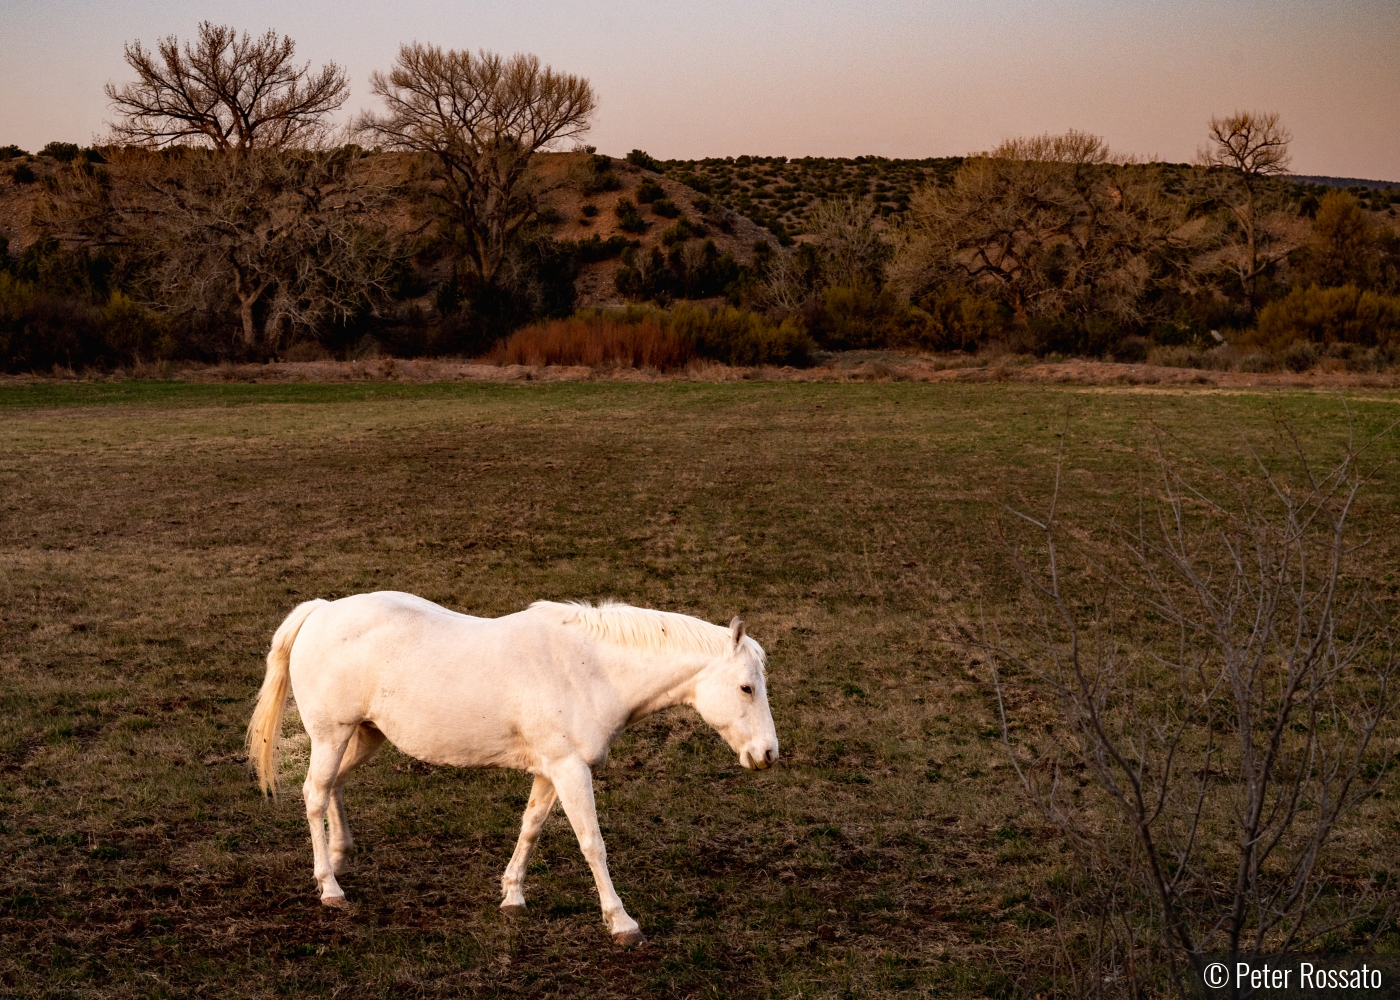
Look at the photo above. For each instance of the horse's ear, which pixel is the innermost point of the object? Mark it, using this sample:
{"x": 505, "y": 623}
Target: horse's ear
{"x": 737, "y": 626}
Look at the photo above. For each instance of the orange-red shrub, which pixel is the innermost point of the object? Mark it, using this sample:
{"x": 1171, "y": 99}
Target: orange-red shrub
{"x": 597, "y": 342}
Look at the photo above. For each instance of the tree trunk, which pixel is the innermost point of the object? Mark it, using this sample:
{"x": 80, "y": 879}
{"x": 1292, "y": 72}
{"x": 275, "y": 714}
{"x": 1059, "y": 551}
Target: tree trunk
{"x": 245, "y": 312}
{"x": 1253, "y": 248}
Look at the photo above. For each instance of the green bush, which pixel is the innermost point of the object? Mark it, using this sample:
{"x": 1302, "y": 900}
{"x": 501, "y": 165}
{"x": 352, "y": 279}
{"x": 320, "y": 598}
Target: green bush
{"x": 860, "y": 317}
{"x": 666, "y": 208}
{"x": 40, "y": 329}
{"x": 1325, "y": 316}
{"x": 589, "y": 211}
{"x": 689, "y": 271}
{"x": 648, "y": 191}
{"x": 11, "y": 152}
{"x": 131, "y": 332}
{"x": 640, "y": 158}
{"x": 629, "y": 220}
{"x": 596, "y": 175}
{"x": 740, "y": 337}
{"x": 595, "y": 248}
{"x": 23, "y": 174}
{"x": 63, "y": 152}
{"x": 960, "y": 320}
{"x": 695, "y": 182}
{"x": 1062, "y": 333}
{"x": 683, "y": 230}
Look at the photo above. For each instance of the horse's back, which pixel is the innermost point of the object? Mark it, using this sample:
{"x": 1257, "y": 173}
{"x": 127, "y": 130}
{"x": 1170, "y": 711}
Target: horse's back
{"x": 443, "y": 686}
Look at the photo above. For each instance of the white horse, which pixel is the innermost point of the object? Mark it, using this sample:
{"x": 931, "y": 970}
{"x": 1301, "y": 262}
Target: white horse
{"x": 545, "y": 690}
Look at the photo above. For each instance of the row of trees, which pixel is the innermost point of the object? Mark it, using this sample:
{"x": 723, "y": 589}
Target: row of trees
{"x": 225, "y": 190}
{"x": 226, "y": 198}
{"x": 1055, "y": 243}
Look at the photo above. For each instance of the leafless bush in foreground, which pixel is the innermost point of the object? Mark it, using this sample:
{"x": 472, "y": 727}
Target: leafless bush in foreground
{"x": 1222, "y": 703}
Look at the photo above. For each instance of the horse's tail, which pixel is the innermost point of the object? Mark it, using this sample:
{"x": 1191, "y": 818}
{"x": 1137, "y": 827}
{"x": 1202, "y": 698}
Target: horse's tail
{"x": 265, "y": 727}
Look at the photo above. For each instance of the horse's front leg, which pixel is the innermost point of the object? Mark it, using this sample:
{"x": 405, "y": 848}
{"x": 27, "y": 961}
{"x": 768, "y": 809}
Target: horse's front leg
{"x": 574, "y": 782}
{"x": 542, "y": 797}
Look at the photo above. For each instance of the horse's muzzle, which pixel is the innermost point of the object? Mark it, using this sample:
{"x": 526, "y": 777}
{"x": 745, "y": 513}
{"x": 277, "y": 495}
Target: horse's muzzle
{"x": 759, "y": 758}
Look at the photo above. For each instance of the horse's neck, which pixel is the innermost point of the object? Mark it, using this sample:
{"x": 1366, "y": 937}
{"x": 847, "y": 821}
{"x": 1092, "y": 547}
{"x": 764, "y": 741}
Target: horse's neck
{"x": 650, "y": 682}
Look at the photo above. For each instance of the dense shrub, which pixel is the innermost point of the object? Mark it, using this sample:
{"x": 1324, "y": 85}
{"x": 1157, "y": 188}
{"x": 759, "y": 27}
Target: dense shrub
{"x": 959, "y": 319}
{"x": 595, "y": 175}
{"x": 861, "y": 316}
{"x": 595, "y": 248}
{"x": 695, "y": 182}
{"x": 640, "y": 158}
{"x": 629, "y": 220}
{"x": 1327, "y": 315}
{"x": 596, "y": 341}
{"x": 1344, "y": 248}
{"x": 645, "y": 336}
{"x": 740, "y": 337}
{"x": 683, "y": 230}
{"x": 40, "y": 329}
{"x": 63, "y": 152}
{"x": 690, "y": 271}
{"x": 1059, "y": 333}
{"x": 23, "y": 174}
{"x": 648, "y": 191}
{"x": 11, "y": 152}
{"x": 666, "y": 208}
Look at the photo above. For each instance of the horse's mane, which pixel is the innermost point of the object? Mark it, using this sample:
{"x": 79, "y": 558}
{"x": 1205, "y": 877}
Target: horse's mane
{"x": 646, "y": 629}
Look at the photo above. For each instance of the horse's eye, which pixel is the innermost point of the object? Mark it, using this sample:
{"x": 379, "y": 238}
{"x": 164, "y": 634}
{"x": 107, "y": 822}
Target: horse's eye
{"x": 746, "y": 689}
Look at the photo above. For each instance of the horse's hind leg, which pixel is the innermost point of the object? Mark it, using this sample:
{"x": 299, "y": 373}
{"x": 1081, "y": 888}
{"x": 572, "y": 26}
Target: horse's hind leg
{"x": 328, "y": 745}
{"x": 542, "y": 797}
{"x": 363, "y": 744}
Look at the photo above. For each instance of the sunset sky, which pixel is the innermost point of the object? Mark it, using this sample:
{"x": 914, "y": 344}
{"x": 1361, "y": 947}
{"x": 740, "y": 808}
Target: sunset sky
{"x": 823, "y": 78}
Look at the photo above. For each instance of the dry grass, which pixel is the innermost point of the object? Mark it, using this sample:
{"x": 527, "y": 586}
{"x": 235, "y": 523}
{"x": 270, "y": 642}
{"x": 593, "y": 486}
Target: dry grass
{"x": 596, "y": 342}
{"x": 149, "y": 547}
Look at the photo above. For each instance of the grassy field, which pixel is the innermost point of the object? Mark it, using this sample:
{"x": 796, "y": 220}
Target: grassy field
{"x": 152, "y": 536}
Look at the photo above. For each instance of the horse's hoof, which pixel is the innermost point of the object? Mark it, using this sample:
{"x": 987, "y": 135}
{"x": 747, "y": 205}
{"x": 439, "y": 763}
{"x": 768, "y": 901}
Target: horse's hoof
{"x": 513, "y": 909}
{"x": 335, "y": 902}
{"x": 628, "y": 939}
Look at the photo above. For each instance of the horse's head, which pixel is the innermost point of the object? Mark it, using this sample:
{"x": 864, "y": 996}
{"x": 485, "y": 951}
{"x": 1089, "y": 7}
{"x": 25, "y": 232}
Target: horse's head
{"x": 732, "y": 696}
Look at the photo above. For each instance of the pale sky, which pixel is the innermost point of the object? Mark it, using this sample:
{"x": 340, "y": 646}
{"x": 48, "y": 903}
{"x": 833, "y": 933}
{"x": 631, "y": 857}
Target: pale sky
{"x": 823, "y": 78}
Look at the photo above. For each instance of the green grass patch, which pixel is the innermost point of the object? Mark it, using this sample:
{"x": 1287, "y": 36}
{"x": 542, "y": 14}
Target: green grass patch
{"x": 152, "y": 536}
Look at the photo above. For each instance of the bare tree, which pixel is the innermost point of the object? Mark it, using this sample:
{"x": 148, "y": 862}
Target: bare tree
{"x": 245, "y": 206}
{"x": 281, "y": 238}
{"x": 480, "y": 118}
{"x": 1252, "y": 146}
{"x": 1234, "y": 735}
{"x": 1051, "y": 224}
{"x": 226, "y": 92}
{"x": 845, "y": 234}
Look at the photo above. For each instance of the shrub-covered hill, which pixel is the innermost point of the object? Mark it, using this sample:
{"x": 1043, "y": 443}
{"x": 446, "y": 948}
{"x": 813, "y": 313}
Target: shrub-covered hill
{"x": 603, "y": 205}
{"x": 596, "y": 205}
{"x": 778, "y": 192}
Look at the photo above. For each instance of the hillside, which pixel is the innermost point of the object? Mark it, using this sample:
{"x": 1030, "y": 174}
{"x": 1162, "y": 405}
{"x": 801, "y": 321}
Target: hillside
{"x": 577, "y": 205}
{"x": 778, "y": 192}
{"x": 604, "y": 205}
{"x": 579, "y": 196}
{"x": 1349, "y": 183}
